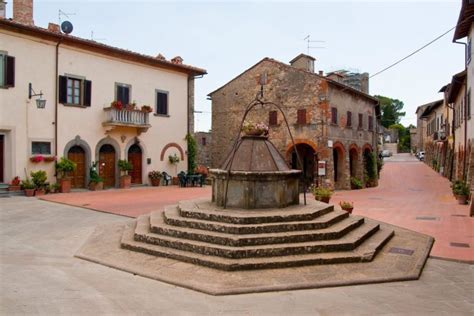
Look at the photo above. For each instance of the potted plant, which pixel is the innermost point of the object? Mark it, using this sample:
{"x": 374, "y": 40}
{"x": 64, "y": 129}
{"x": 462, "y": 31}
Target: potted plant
{"x": 39, "y": 180}
{"x": 37, "y": 158}
{"x": 146, "y": 109}
{"x": 356, "y": 184}
{"x": 321, "y": 194}
{"x": 54, "y": 188}
{"x": 15, "y": 184}
{"x": 254, "y": 129}
{"x": 125, "y": 180}
{"x": 96, "y": 183}
{"x": 28, "y": 186}
{"x": 347, "y": 206}
{"x": 63, "y": 168}
{"x": 117, "y": 105}
{"x": 461, "y": 191}
{"x": 155, "y": 177}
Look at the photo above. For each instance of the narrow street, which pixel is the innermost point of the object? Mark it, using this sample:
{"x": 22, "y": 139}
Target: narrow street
{"x": 412, "y": 195}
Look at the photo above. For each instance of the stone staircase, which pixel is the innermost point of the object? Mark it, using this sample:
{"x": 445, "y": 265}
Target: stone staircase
{"x": 199, "y": 232}
{"x": 4, "y": 193}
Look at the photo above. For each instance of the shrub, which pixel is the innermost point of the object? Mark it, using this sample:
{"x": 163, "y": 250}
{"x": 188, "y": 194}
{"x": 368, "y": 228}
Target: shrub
{"x": 39, "y": 178}
{"x": 125, "y": 166}
{"x": 27, "y": 184}
{"x": 155, "y": 175}
{"x": 460, "y": 188}
{"x": 93, "y": 174}
{"x": 192, "y": 150}
{"x": 320, "y": 192}
{"x": 356, "y": 183}
{"x": 173, "y": 159}
{"x": 64, "y": 166}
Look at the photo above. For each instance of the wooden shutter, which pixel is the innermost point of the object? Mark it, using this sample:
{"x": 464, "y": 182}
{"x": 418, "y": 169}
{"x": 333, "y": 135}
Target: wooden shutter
{"x": 162, "y": 103}
{"x": 361, "y": 117}
{"x": 349, "y": 119}
{"x": 371, "y": 123}
{"x": 301, "y": 116}
{"x": 62, "y": 89}
{"x": 10, "y": 71}
{"x": 126, "y": 95}
{"x": 87, "y": 92}
{"x": 272, "y": 118}
{"x": 334, "y": 115}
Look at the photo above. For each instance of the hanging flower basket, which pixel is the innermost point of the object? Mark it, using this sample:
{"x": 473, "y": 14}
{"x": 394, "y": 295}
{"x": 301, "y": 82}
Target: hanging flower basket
{"x": 254, "y": 129}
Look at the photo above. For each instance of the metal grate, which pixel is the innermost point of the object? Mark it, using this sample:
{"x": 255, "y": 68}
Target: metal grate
{"x": 459, "y": 244}
{"x": 427, "y": 218}
{"x": 459, "y": 215}
{"x": 401, "y": 251}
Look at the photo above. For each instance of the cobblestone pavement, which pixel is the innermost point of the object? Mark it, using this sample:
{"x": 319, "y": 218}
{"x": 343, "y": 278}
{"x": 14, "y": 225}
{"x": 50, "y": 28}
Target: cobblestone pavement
{"x": 40, "y": 276}
{"x": 412, "y": 195}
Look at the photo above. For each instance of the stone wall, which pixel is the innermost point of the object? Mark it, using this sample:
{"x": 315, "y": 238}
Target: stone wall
{"x": 203, "y": 142}
{"x": 296, "y": 89}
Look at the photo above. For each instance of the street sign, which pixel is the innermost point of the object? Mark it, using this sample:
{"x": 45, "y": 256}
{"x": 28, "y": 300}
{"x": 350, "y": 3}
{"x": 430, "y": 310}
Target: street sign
{"x": 321, "y": 168}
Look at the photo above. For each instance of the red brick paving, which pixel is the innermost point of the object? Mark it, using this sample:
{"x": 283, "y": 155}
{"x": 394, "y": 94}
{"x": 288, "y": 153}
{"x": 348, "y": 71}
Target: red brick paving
{"x": 409, "y": 190}
{"x": 130, "y": 202}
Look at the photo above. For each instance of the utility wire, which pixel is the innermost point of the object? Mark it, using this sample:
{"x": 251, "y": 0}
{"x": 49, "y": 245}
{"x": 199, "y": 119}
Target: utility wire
{"x": 416, "y": 51}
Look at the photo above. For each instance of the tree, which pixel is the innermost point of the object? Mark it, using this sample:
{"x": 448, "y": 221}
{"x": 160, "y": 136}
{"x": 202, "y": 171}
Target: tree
{"x": 403, "y": 137}
{"x": 391, "y": 110}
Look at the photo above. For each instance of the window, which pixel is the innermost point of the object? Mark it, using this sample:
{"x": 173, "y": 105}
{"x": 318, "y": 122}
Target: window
{"x": 349, "y": 119}
{"x": 122, "y": 93}
{"x": 203, "y": 141}
{"x": 333, "y": 115}
{"x": 361, "y": 121}
{"x": 371, "y": 123}
{"x": 75, "y": 91}
{"x": 41, "y": 148}
{"x": 7, "y": 70}
{"x": 301, "y": 116}
{"x": 161, "y": 102}
{"x": 273, "y": 118}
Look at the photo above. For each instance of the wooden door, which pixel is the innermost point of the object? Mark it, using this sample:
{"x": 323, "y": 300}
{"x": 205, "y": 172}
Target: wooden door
{"x": 135, "y": 158}
{"x": 107, "y": 165}
{"x": 2, "y": 157}
{"x": 78, "y": 178}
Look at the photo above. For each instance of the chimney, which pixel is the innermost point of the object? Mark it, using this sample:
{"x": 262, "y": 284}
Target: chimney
{"x": 23, "y": 11}
{"x": 177, "y": 60}
{"x": 304, "y": 62}
{"x": 321, "y": 73}
{"x": 364, "y": 82}
{"x": 53, "y": 27}
{"x": 3, "y": 9}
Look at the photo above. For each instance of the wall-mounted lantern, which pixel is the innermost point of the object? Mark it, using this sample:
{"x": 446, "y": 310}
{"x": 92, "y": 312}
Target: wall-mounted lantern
{"x": 40, "y": 102}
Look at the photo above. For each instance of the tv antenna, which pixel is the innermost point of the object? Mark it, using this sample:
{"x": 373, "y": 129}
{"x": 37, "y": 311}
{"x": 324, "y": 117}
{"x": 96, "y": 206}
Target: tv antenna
{"x": 62, "y": 13}
{"x": 310, "y": 42}
{"x": 96, "y": 39}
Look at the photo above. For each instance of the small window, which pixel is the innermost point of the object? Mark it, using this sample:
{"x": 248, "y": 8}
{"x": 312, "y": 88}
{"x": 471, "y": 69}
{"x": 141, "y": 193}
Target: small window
{"x": 349, "y": 119}
{"x": 41, "y": 148}
{"x": 122, "y": 93}
{"x": 272, "y": 118}
{"x": 371, "y": 123}
{"x": 361, "y": 121}
{"x": 75, "y": 91}
{"x": 333, "y": 115}
{"x": 203, "y": 141}
{"x": 301, "y": 117}
{"x": 7, "y": 70}
{"x": 161, "y": 103}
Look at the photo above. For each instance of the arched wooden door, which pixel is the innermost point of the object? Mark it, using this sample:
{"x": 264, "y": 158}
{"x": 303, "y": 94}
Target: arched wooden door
{"x": 107, "y": 165}
{"x": 135, "y": 158}
{"x": 78, "y": 177}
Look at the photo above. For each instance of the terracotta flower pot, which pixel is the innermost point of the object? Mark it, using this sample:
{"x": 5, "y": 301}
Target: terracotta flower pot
{"x": 96, "y": 186}
{"x": 65, "y": 185}
{"x": 175, "y": 180}
{"x": 39, "y": 192}
{"x": 155, "y": 182}
{"x": 125, "y": 182}
{"x": 29, "y": 192}
{"x": 324, "y": 199}
{"x": 13, "y": 188}
{"x": 348, "y": 209}
{"x": 462, "y": 199}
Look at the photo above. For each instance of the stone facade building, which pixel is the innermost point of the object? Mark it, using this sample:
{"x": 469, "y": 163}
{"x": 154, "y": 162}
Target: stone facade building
{"x": 331, "y": 123}
{"x": 203, "y": 142}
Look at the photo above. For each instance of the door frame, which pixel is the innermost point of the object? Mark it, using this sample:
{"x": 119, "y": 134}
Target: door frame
{"x": 110, "y": 141}
{"x": 137, "y": 141}
{"x": 9, "y": 153}
{"x": 77, "y": 141}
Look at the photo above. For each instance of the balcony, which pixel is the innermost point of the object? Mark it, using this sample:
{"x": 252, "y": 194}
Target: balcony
{"x": 125, "y": 118}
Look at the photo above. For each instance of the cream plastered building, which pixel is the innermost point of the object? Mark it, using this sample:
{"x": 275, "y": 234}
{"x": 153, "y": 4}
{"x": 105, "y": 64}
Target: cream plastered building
{"x": 79, "y": 79}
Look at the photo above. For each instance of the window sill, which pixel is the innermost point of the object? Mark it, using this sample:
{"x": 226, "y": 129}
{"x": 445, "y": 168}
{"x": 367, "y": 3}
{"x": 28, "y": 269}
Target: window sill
{"x": 161, "y": 115}
{"x": 76, "y": 105}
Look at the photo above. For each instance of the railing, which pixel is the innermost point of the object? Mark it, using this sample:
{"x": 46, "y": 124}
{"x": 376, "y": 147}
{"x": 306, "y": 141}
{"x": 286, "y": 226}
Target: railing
{"x": 130, "y": 118}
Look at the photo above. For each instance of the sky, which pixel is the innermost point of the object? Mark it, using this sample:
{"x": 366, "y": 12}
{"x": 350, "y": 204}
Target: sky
{"x": 228, "y": 37}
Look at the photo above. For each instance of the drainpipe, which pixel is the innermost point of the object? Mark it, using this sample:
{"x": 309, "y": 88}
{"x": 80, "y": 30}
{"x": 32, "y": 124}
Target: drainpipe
{"x": 56, "y": 98}
{"x": 454, "y": 138}
{"x": 464, "y": 173}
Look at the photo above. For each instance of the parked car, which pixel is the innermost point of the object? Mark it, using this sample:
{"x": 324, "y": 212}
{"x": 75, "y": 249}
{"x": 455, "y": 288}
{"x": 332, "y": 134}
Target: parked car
{"x": 386, "y": 153}
{"x": 421, "y": 155}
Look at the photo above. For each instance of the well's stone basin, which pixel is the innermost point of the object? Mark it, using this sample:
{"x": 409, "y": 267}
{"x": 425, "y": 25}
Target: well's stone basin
{"x": 253, "y": 190}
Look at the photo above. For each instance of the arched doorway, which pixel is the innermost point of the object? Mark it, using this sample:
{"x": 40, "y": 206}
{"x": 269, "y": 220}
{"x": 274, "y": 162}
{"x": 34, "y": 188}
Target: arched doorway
{"x": 107, "y": 165}
{"x": 338, "y": 163}
{"x": 308, "y": 159}
{"x": 78, "y": 177}
{"x": 135, "y": 158}
{"x": 367, "y": 165}
{"x": 354, "y": 162}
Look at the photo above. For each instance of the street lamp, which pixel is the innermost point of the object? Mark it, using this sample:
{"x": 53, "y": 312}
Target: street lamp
{"x": 40, "y": 102}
